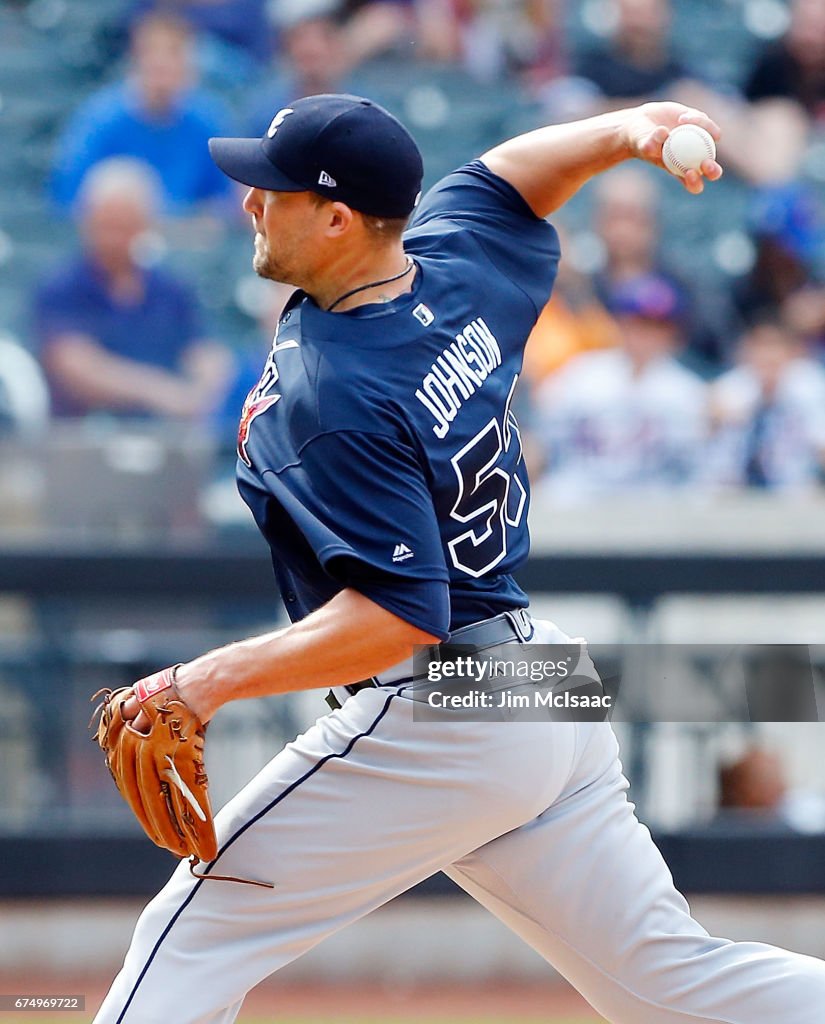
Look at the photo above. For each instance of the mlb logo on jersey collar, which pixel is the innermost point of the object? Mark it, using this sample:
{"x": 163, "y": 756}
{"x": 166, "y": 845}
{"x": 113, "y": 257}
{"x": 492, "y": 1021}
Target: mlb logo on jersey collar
{"x": 423, "y": 314}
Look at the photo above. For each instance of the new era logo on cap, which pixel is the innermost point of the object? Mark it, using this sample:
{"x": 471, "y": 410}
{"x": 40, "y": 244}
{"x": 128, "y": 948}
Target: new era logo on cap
{"x": 327, "y": 179}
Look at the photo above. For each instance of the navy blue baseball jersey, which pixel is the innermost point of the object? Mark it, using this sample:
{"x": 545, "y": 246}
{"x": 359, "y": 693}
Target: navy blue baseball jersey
{"x": 379, "y": 449}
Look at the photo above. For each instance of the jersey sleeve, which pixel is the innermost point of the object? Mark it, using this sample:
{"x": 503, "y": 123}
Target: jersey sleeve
{"x": 362, "y": 503}
{"x": 522, "y": 246}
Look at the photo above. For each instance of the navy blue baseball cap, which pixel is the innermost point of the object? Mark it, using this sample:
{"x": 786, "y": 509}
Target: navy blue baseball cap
{"x": 345, "y": 148}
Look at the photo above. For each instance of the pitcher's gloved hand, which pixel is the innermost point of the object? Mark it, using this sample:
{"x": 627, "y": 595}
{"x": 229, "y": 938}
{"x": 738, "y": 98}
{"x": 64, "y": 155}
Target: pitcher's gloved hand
{"x": 160, "y": 772}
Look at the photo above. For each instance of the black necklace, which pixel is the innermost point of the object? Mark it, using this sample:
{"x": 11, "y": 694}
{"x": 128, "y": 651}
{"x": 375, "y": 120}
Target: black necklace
{"x": 373, "y": 284}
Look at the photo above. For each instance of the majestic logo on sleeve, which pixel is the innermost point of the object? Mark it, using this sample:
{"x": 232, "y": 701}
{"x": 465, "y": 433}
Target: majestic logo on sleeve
{"x": 402, "y": 553}
{"x": 260, "y": 398}
{"x": 458, "y": 373}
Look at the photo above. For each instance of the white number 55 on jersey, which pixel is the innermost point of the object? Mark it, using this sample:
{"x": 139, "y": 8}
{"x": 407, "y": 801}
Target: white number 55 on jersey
{"x": 491, "y": 496}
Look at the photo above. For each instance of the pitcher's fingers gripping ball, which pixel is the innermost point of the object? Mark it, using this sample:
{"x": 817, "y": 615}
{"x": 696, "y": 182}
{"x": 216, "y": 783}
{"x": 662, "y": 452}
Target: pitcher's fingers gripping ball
{"x": 686, "y": 148}
{"x": 160, "y": 773}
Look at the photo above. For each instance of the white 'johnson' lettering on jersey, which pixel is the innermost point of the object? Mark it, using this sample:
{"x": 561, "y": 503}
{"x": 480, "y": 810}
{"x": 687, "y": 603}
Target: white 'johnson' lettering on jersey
{"x": 458, "y": 373}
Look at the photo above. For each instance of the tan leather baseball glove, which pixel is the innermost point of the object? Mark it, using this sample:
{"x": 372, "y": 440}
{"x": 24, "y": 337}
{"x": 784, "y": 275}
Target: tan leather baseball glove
{"x": 160, "y": 773}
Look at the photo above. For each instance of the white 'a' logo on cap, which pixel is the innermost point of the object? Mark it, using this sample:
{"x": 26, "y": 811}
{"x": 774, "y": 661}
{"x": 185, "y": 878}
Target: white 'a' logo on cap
{"x": 278, "y": 120}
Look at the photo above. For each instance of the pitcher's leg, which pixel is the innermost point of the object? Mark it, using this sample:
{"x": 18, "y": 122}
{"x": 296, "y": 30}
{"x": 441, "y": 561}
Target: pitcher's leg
{"x": 587, "y": 888}
{"x": 364, "y": 805}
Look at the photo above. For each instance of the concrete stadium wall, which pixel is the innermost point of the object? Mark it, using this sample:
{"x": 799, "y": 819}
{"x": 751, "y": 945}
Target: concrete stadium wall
{"x": 422, "y": 941}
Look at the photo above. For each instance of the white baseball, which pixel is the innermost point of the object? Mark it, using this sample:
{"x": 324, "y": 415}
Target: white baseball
{"x": 686, "y": 147}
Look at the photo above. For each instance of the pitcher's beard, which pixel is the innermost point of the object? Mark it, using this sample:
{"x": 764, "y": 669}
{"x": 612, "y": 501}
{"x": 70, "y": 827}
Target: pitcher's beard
{"x": 265, "y": 265}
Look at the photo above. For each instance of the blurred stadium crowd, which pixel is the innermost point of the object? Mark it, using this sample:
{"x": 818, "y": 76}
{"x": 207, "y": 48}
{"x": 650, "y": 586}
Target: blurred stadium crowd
{"x": 684, "y": 344}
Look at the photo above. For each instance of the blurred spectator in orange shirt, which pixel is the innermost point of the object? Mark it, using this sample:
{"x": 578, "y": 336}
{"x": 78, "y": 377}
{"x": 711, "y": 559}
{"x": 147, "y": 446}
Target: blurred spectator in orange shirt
{"x": 114, "y": 335}
{"x": 572, "y": 322}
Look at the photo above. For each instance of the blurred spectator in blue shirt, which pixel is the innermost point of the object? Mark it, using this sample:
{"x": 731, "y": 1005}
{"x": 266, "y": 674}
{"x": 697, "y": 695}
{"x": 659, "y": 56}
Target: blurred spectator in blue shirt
{"x": 769, "y": 414}
{"x": 116, "y": 336}
{"x": 239, "y": 27}
{"x": 788, "y": 225}
{"x": 156, "y": 115}
{"x": 628, "y": 419}
{"x": 785, "y": 242}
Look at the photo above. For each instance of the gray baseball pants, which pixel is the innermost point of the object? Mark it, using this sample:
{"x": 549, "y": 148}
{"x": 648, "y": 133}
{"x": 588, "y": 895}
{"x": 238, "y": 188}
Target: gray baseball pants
{"x": 531, "y": 819}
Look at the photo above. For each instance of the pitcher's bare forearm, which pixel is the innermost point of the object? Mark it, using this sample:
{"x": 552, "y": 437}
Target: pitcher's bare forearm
{"x": 549, "y": 165}
{"x": 348, "y": 639}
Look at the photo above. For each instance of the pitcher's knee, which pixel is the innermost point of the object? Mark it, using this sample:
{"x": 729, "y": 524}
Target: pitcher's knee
{"x": 735, "y": 982}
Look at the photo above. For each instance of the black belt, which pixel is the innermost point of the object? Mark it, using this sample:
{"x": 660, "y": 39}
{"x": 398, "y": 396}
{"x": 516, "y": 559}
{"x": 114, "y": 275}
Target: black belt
{"x": 506, "y": 628}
